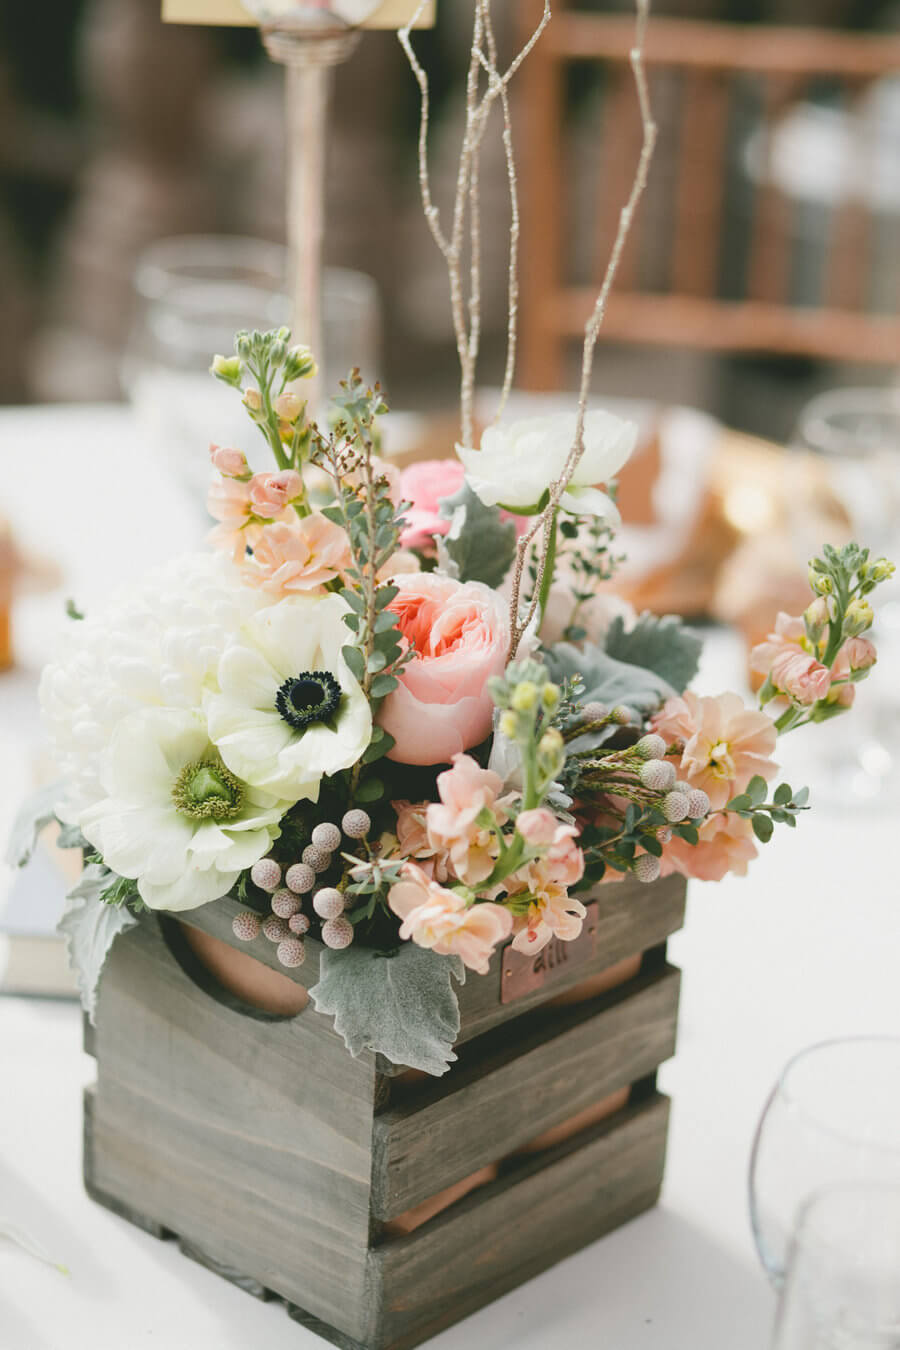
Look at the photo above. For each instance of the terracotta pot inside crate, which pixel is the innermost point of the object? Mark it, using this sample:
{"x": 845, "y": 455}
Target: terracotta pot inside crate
{"x": 242, "y": 975}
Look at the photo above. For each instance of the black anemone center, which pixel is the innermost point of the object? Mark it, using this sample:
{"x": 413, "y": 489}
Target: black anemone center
{"x": 313, "y": 696}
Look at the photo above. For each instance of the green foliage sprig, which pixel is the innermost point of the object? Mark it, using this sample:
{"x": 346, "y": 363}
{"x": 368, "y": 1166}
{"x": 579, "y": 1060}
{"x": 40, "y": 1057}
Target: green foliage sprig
{"x": 363, "y": 507}
{"x": 763, "y": 816}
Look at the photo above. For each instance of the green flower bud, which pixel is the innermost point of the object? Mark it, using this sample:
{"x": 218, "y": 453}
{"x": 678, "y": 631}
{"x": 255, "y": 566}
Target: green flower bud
{"x": 284, "y": 334}
{"x": 525, "y": 696}
{"x": 821, "y": 582}
{"x": 551, "y": 752}
{"x": 881, "y": 569}
{"x": 278, "y": 351}
{"x": 242, "y": 343}
{"x": 300, "y": 364}
{"x": 550, "y": 696}
{"x": 227, "y": 369}
{"x": 509, "y": 725}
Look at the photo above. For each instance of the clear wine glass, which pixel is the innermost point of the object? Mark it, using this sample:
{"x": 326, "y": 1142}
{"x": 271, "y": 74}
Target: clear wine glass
{"x": 842, "y": 482}
{"x": 842, "y": 1287}
{"x": 832, "y": 1117}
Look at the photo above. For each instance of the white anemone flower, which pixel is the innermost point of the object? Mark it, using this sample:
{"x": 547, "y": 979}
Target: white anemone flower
{"x": 289, "y": 710}
{"x": 173, "y": 818}
{"x": 156, "y": 644}
{"x": 517, "y": 463}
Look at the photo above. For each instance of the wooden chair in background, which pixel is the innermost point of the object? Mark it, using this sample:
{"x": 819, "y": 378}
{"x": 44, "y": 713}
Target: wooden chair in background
{"x": 700, "y": 74}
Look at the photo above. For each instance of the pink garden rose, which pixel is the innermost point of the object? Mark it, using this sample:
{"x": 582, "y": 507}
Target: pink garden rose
{"x": 724, "y": 743}
{"x": 460, "y": 634}
{"x": 452, "y": 823}
{"x": 725, "y": 845}
{"x": 425, "y": 485}
{"x": 792, "y": 668}
{"x": 440, "y": 919}
{"x": 289, "y": 559}
{"x": 270, "y": 493}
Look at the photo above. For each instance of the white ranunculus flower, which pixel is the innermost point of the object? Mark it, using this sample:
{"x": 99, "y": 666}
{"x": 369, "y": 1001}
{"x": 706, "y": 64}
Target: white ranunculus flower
{"x": 172, "y": 816}
{"x": 155, "y": 645}
{"x": 289, "y": 710}
{"x": 517, "y": 463}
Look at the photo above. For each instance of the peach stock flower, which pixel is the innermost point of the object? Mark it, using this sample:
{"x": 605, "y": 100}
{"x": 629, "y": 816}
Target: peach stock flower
{"x": 228, "y": 502}
{"x": 270, "y": 493}
{"x": 440, "y": 919}
{"x": 289, "y": 559}
{"x": 231, "y": 463}
{"x": 452, "y": 823}
{"x": 460, "y": 635}
{"x": 413, "y": 840}
{"x": 725, "y": 845}
{"x": 724, "y": 743}
{"x": 552, "y": 913}
{"x": 792, "y": 668}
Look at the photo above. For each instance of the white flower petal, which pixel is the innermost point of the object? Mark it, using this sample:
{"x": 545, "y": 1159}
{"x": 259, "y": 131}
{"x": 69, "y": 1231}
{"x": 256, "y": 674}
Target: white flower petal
{"x": 588, "y": 501}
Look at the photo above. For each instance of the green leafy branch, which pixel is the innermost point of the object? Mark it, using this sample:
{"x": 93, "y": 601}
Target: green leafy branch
{"x": 364, "y": 509}
{"x": 763, "y": 816}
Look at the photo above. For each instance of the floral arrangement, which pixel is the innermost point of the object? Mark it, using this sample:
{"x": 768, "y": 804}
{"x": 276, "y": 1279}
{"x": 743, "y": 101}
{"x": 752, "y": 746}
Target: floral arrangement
{"x": 403, "y": 713}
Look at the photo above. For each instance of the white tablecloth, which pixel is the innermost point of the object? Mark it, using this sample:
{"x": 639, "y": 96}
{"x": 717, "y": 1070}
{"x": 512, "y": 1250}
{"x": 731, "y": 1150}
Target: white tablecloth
{"x": 805, "y": 948}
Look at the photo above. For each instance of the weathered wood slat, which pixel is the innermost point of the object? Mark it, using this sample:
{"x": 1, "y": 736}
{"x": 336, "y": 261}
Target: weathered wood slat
{"x": 631, "y": 918}
{"x": 520, "y": 1225}
{"x": 203, "y": 1114}
{"x": 573, "y": 1058}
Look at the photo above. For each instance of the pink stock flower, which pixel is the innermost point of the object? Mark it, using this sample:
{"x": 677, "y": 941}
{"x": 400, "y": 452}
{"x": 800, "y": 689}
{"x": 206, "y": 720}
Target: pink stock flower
{"x": 289, "y": 559}
{"x": 784, "y": 657}
{"x": 453, "y": 826}
{"x": 413, "y": 840}
{"x": 425, "y": 485}
{"x": 230, "y": 463}
{"x": 228, "y": 501}
{"x": 440, "y": 919}
{"x": 725, "y": 845}
{"x": 460, "y": 635}
{"x": 270, "y": 493}
{"x": 724, "y": 743}
{"x": 538, "y": 826}
{"x": 857, "y": 653}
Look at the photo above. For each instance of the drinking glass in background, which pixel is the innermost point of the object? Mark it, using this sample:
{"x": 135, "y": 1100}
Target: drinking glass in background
{"x": 842, "y": 1287}
{"x": 833, "y": 1117}
{"x": 842, "y": 482}
{"x": 191, "y": 294}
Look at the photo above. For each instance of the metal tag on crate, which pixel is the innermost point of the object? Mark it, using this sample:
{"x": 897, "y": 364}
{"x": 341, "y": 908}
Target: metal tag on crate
{"x": 520, "y": 974}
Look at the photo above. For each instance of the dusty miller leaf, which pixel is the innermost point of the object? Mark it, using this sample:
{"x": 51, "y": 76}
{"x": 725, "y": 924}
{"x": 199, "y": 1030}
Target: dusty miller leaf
{"x": 90, "y": 927}
{"x": 403, "y": 1007}
{"x": 662, "y": 645}
{"x": 479, "y": 542}
{"x": 606, "y": 679}
{"x": 33, "y": 815}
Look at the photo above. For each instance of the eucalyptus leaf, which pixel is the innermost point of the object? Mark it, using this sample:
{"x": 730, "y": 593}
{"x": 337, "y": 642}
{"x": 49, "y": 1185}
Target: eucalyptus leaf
{"x": 403, "y": 1007}
{"x": 35, "y": 813}
{"x": 90, "y": 927}
{"x": 662, "y": 645}
{"x": 480, "y": 542}
{"x": 607, "y": 679}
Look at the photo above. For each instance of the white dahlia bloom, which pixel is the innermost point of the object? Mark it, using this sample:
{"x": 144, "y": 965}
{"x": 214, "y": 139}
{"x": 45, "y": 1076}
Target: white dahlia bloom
{"x": 172, "y": 817}
{"x": 517, "y": 463}
{"x": 157, "y": 644}
{"x": 289, "y": 710}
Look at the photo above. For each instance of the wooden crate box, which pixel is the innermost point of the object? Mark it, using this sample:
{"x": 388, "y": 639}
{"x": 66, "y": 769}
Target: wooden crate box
{"x": 302, "y": 1173}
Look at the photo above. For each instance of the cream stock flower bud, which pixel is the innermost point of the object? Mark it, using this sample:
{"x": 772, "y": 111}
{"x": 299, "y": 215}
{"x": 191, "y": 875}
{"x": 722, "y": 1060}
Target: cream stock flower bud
{"x": 289, "y": 407}
{"x": 858, "y": 618}
{"x": 252, "y": 401}
{"x": 820, "y": 582}
{"x": 881, "y": 569}
{"x": 551, "y": 752}
{"x": 300, "y": 364}
{"x": 550, "y": 696}
{"x": 816, "y": 615}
